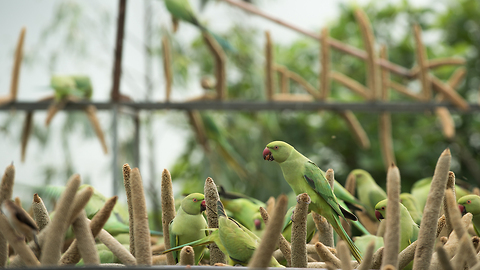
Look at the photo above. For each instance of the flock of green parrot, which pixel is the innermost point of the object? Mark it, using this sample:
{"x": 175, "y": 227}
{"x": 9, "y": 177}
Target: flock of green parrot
{"x": 240, "y": 225}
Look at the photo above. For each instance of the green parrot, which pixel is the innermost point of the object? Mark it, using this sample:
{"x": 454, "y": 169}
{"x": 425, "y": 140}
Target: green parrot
{"x": 368, "y": 192}
{"x": 213, "y": 237}
{"x": 362, "y": 242}
{"x": 420, "y": 191}
{"x": 471, "y": 204}
{"x": 408, "y": 227}
{"x": 233, "y": 239}
{"x": 244, "y": 209}
{"x": 239, "y": 242}
{"x": 105, "y": 254}
{"x": 421, "y": 188}
{"x": 189, "y": 225}
{"x": 304, "y": 176}
{"x": 410, "y": 203}
{"x": 78, "y": 86}
{"x": 182, "y": 10}
{"x": 287, "y": 226}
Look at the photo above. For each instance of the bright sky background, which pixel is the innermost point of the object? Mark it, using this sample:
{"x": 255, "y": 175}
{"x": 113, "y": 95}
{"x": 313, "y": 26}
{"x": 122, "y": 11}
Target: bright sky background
{"x": 88, "y": 157}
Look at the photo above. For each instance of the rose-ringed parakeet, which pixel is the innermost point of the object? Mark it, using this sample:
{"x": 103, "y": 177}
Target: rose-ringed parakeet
{"x": 239, "y": 242}
{"x": 421, "y": 188}
{"x": 304, "y": 176}
{"x": 189, "y": 225}
{"x": 234, "y": 240}
{"x": 408, "y": 227}
{"x": 471, "y": 204}
{"x": 182, "y": 10}
{"x": 243, "y": 209}
{"x": 410, "y": 203}
{"x": 368, "y": 192}
{"x": 287, "y": 225}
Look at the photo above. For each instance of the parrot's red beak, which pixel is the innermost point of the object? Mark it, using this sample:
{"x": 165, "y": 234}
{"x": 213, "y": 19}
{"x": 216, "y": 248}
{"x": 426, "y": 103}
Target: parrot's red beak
{"x": 378, "y": 215}
{"x": 203, "y": 206}
{"x": 462, "y": 209}
{"x": 267, "y": 155}
{"x": 258, "y": 224}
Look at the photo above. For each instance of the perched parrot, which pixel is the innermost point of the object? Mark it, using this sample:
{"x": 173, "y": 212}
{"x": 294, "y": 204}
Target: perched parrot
{"x": 287, "y": 226}
{"x": 410, "y": 203}
{"x": 105, "y": 254}
{"x": 420, "y": 192}
{"x": 408, "y": 227}
{"x": 244, "y": 209}
{"x": 368, "y": 192}
{"x": 233, "y": 239}
{"x": 362, "y": 242}
{"x": 213, "y": 237}
{"x": 304, "y": 176}
{"x": 189, "y": 225}
{"x": 421, "y": 188}
{"x": 239, "y": 242}
{"x": 182, "y": 10}
{"x": 471, "y": 204}
{"x": 77, "y": 86}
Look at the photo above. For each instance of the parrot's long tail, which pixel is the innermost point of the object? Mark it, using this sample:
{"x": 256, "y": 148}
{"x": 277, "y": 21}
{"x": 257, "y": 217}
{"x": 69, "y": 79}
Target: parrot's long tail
{"x": 226, "y": 46}
{"x": 337, "y": 226}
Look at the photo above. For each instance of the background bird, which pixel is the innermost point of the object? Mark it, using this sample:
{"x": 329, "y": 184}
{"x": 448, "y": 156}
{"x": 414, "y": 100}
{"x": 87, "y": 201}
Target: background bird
{"x": 471, "y": 204}
{"x": 189, "y": 225}
{"x": 20, "y": 221}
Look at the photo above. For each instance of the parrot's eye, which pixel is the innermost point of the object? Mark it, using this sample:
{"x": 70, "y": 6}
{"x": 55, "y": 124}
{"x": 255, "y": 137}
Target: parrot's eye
{"x": 469, "y": 202}
{"x": 383, "y": 207}
{"x": 194, "y": 199}
{"x": 276, "y": 147}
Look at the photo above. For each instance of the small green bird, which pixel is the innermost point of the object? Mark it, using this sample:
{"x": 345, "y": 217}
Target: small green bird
{"x": 363, "y": 241}
{"x": 420, "y": 191}
{"x": 189, "y": 225}
{"x": 239, "y": 242}
{"x": 421, "y": 188}
{"x": 471, "y": 204}
{"x": 77, "y": 86}
{"x": 287, "y": 226}
{"x": 304, "y": 176}
{"x": 408, "y": 227}
{"x": 182, "y": 10}
{"x": 243, "y": 209}
{"x": 233, "y": 239}
{"x": 368, "y": 191}
{"x": 410, "y": 203}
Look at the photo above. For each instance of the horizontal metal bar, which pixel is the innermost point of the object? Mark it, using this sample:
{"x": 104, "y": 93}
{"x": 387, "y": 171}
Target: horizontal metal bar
{"x": 373, "y": 107}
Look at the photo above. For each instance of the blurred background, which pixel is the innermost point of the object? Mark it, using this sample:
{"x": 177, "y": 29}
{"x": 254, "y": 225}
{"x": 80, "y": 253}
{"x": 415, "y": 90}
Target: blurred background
{"x": 78, "y": 37}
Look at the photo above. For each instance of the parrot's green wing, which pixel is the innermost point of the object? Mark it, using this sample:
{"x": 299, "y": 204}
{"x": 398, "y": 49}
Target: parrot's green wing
{"x": 317, "y": 181}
